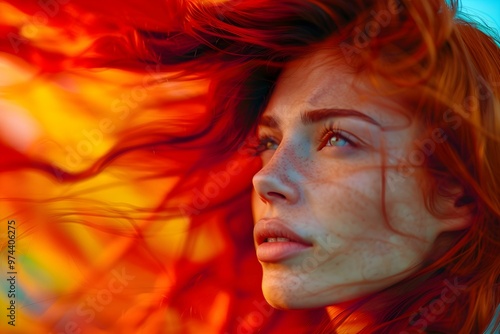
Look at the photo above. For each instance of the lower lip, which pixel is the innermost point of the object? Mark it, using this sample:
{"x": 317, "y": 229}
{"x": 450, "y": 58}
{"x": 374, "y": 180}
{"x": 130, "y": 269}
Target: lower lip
{"x": 279, "y": 251}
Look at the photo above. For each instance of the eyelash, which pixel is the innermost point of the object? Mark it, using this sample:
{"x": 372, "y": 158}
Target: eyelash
{"x": 327, "y": 133}
{"x": 262, "y": 141}
{"x": 330, "y": 131}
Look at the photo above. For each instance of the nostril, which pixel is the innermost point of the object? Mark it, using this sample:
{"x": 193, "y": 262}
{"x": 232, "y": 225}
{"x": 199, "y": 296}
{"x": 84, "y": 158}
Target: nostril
{"x": 275, "y": 194}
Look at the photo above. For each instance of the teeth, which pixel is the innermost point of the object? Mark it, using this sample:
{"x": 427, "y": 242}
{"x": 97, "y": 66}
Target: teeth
{"x": 277, "y": 240}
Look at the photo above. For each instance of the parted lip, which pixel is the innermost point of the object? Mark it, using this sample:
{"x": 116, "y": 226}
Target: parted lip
{"x": 275, "y": 228}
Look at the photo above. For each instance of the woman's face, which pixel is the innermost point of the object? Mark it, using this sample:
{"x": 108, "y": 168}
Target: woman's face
{"x": 321, "y": 233}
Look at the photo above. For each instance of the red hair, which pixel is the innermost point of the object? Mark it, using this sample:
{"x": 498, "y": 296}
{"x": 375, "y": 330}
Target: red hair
{"x": 446, "y": 70}
{"x": 431, "y": 58}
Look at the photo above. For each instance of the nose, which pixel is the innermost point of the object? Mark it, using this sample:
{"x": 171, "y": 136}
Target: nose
{"x": 278, "y": 180}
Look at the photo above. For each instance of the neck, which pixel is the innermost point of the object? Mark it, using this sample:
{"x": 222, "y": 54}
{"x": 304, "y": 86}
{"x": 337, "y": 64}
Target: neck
{"x": 352, "y": 316}
{"x": 345, "y": 321}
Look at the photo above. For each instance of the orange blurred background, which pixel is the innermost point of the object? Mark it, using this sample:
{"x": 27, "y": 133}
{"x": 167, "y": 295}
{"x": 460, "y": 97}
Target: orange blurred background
{"x": 110, "y": 236}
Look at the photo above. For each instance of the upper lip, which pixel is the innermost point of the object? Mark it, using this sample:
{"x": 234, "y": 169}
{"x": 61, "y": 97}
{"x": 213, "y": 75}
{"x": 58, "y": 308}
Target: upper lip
{"x": 275, "y": 228}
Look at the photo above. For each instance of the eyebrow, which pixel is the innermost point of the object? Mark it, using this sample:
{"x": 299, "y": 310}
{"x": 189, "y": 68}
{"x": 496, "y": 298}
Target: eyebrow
{"x": 318, "y": 115}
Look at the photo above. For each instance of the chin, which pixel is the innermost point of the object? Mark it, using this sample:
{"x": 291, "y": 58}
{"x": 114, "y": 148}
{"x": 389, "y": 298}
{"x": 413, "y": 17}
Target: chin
{"x": 288, "y": 297}
{"x": 292, "y": 301}
{"x": 279, "y": 300}
{"x": 289, "y": 294}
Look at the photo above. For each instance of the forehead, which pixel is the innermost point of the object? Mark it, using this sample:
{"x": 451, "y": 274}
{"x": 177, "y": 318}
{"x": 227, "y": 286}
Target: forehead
{"x": 324, "y": 80}
{"x": 313, "y": 80}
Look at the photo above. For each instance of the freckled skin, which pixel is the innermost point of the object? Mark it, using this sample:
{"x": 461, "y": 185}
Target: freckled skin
{"x": 333, "y": 197}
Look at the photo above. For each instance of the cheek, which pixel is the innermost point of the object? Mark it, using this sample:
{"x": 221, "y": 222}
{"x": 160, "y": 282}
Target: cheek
{"x": 354, "y": 202}
{"x": 347, "y": 205}
{"x": 372, "y": 228}
{"x": 407, "y": 211}
{"x": 392, "y": 255}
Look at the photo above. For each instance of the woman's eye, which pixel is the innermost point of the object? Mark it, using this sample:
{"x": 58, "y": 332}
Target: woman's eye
{"x": 337, "y": 140}
{"x": 267, "y": 144}
{"x": 271, "y": 145}
{"x": 330, "y": 138}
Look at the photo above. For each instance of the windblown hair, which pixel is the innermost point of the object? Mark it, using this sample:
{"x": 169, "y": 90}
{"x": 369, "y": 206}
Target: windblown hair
{"x": 444, "y": 69}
